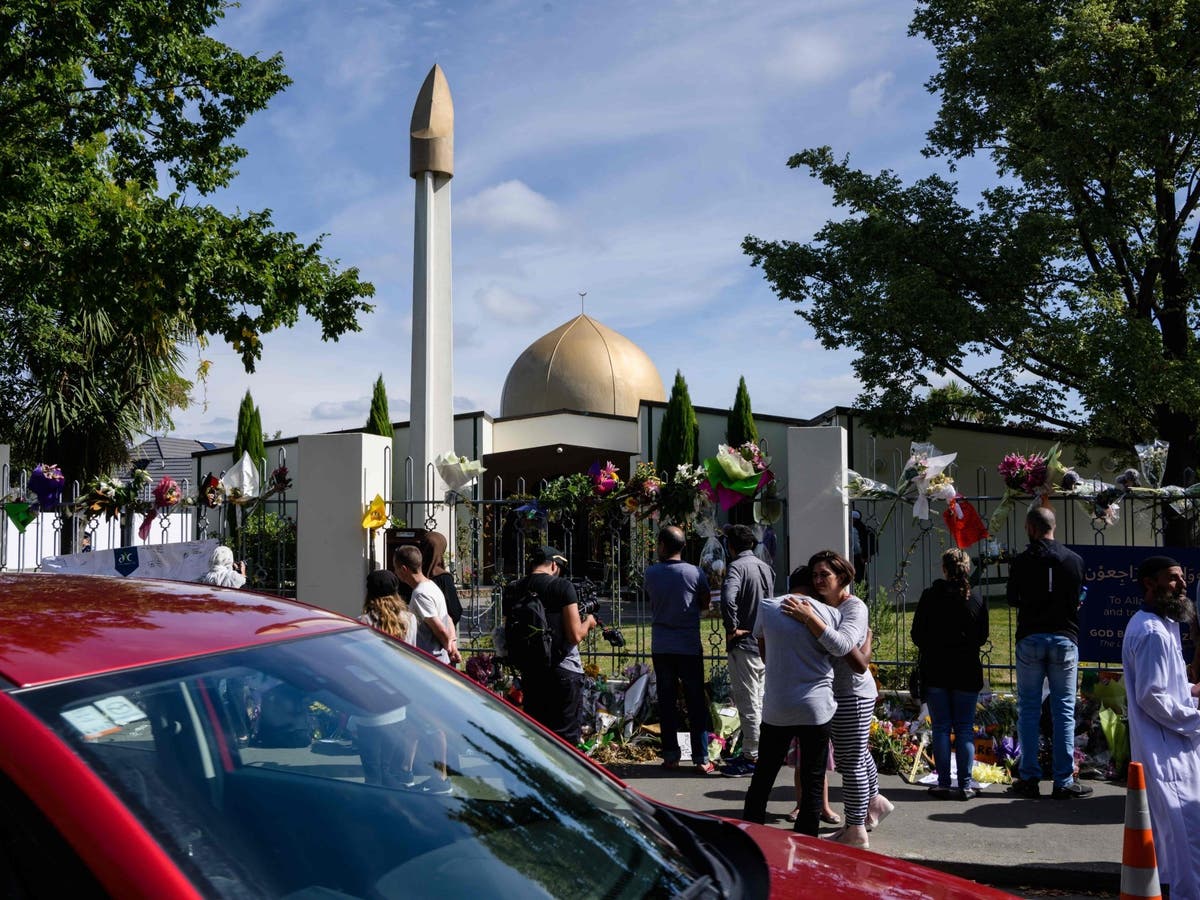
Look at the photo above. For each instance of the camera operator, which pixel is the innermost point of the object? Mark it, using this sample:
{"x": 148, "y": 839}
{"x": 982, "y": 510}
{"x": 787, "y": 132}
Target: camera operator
{"x": 554, "y": 696}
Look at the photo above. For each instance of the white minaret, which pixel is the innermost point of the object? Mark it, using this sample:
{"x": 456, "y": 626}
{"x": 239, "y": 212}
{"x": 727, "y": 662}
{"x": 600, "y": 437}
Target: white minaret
{"x": 431, "y": 165}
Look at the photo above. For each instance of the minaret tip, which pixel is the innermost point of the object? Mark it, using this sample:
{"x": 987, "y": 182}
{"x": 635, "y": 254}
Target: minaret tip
{"x": 431, "y": 146}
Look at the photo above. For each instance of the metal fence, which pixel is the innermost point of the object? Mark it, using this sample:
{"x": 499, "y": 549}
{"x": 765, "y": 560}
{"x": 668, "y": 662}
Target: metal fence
{"x": 262, "y": 532}
{"x": 494, "y": 538}
{"x": 908, "y": 559}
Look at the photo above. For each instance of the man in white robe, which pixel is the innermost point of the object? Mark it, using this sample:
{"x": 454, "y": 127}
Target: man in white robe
{"x": 1164, "y": 723}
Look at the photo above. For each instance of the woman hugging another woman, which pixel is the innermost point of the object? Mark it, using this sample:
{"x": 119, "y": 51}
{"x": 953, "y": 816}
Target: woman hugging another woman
{"x": 854, "y": 690}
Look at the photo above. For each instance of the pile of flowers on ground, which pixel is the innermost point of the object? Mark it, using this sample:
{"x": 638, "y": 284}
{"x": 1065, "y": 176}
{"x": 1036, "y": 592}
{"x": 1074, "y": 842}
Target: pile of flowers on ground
{"x": 900, "y": 735}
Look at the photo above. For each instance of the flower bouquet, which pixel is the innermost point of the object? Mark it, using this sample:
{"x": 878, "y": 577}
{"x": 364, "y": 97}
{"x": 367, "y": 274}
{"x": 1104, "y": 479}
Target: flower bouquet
{"x": 376, "y": 514}
{"x": 241, "y": 480}
{"x": 925, "y": 477}
{"x": 212, "y": 491}
{"x": 736, "y": 473}
{"x": 1033, "y": 473}
{"x": 457, "y": 471}
{"x": 605, "y": 479}
{"x": 712, "y": 554}
{"x": 167, "y": 493}
{"x": 46, "y": 481}
{"x": 1152, "y": 459}
{"x": 643, "y": 491}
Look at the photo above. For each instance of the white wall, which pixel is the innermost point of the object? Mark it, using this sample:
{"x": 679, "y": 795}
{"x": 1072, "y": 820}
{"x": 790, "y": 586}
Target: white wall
{"x": 565, "y": 428}
{"x": 342, "y": 473}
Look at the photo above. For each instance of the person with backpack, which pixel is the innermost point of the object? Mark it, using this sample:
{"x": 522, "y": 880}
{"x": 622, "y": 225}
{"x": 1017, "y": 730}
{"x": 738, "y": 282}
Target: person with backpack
{"x": 1045, "y": 581}
{"x": 542, "y": 632}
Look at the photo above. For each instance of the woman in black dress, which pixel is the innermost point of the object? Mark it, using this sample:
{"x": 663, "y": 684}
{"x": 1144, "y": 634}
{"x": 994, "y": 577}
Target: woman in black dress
{"x": 949, "y": 627}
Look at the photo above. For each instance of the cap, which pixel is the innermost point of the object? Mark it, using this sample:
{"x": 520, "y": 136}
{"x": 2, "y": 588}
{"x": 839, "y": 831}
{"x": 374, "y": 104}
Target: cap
{"x": 546, "y": 554}
{"x": 382, "y": 583}
{"x": 1152, "y": 565}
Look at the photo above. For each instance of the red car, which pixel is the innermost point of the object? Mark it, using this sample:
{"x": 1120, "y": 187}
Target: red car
{"x": 162, "y": 739}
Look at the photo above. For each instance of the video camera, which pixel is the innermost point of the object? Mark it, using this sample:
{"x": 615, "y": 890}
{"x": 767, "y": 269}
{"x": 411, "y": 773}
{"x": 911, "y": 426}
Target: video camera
{"x": 589, "y": 602}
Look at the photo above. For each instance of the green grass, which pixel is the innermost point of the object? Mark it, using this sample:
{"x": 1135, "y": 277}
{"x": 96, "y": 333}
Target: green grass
{"x": 891, "y": 645}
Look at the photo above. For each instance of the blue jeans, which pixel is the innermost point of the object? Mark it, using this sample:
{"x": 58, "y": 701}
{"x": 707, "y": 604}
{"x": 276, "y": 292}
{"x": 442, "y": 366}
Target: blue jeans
{"x": 953, "y": 709}
{"x": 1053, "y": 657}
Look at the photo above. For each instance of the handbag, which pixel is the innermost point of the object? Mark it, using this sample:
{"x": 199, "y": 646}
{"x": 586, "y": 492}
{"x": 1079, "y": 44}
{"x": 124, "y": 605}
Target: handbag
{"x": 914, "y": 679}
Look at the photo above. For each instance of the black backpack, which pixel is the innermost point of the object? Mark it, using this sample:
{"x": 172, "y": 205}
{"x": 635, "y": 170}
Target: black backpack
{"x": 528, "y": 637}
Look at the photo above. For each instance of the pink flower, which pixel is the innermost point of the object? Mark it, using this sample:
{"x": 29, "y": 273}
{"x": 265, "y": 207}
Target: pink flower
{"x": 604, "y": 479}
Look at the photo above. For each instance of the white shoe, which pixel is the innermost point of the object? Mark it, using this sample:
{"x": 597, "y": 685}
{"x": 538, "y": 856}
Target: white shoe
{"x": 879, "y": 809}
{"x": 852, "y": 836}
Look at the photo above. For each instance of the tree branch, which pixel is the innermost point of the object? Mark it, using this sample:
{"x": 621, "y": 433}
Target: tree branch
{"x": 982, "y": 388}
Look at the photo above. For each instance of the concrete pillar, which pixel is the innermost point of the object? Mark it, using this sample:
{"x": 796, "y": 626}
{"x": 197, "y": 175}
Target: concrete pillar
{"x": 431, "y": 429}
{"x": 340, "y": 476}
{"x": 818, "y": 513}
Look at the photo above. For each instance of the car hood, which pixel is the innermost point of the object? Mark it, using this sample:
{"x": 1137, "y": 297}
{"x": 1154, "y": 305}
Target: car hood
{"x": 806, "y": 866}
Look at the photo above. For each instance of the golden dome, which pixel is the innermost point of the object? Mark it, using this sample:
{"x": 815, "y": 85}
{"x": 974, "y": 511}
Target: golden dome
{"x": 584, "y": 366}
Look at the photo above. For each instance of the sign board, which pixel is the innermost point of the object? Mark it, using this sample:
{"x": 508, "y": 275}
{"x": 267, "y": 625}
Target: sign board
{"x": 185, "y": 561}
{"x": 1114, "y": 594}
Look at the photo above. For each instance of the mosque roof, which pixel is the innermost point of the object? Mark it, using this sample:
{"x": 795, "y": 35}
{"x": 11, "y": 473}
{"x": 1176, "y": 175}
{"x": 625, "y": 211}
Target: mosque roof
{"x": 581, "y": 365}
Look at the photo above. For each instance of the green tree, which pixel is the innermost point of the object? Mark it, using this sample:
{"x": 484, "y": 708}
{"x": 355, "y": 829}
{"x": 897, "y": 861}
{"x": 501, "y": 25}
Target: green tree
{"x": 378, "y": 420}
{"x": 679, "y": 436}
{"x": 116, "y": 124}
{"x": 954, "y": 403}
{"x": 740, "y": 426}
{"x": 1066, "y": 296}
{"x": 249, "y": 435}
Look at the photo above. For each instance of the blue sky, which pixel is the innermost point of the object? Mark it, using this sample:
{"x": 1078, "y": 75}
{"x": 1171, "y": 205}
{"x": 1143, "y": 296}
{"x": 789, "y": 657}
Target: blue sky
{"x": 620, "y": 148}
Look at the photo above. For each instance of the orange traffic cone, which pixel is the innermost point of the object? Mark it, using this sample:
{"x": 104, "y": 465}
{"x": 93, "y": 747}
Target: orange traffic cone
{"x": 1139, "y": 868}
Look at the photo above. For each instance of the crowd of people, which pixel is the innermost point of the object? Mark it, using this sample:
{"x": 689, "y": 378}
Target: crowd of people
{"x": 799, "y": 678}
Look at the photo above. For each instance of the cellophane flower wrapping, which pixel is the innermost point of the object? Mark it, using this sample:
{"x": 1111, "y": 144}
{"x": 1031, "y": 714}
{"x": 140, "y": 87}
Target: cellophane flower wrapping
{"x": 376, "y": 514}
{"x": 1152, "y": 459}
{"x": 241, "y": 480}
{"x": 712, "y": 554}
{"x": 46, "y": 481}
{"x": 733, "y": 463}
{"x": 457, "y": 471}
{"x": 925, "y": 477}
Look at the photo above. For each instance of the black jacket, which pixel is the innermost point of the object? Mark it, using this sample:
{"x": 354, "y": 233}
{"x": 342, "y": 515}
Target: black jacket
{"x": 950, "y": 630}
{"x": 1044, "y": 583}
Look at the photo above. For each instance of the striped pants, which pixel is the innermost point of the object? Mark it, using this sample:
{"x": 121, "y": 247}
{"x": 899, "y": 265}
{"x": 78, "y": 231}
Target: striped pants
{"x": 850, "y": 729}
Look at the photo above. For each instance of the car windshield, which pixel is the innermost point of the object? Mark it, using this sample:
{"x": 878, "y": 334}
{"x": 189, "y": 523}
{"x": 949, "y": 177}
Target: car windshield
{"x": 343, "y": 765}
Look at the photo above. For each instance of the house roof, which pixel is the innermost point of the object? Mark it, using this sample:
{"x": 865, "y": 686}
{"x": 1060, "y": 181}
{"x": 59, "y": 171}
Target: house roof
{"x": 171, "y": 456}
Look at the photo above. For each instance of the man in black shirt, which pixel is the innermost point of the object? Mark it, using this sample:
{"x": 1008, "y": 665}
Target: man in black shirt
{"x": 1044, "y": 584}
{"x": 554, "y": 695}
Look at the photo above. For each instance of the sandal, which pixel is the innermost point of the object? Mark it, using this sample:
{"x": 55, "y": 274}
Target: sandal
{"x": 794, "y": 814}
{"x": 831, "y": 818}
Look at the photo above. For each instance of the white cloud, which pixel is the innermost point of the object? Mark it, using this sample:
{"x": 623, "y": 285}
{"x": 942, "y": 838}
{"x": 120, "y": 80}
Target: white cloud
{"x": 867, "y": 96}
{"x": 510, "y": 204}
{"x": 336, "y": 410}
{"x": 809, "y": 58}
{"x": 504, "y": 304}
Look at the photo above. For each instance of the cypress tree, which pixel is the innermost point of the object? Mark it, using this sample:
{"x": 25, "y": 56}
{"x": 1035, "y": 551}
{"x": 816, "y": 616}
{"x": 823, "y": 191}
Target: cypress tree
{"x": 679, "y": 438}
{"x": 740, "y": 427}
{"x": 249, "y": 438}
{"x": 378, "y": 420}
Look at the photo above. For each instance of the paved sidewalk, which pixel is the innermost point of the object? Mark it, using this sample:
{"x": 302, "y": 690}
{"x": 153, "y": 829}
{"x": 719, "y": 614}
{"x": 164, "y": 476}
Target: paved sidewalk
{"x": 994, "y": 839}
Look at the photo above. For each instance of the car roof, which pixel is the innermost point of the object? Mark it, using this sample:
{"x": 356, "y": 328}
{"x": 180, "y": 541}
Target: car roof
{"x": 56, "y": 627}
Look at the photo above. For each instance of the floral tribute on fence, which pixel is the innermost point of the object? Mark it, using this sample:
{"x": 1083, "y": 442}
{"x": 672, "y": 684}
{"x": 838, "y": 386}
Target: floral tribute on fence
{"x": 1032, "y": 477}
{"x": 688, "y": 493}
{"x": 113, "y": 497}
